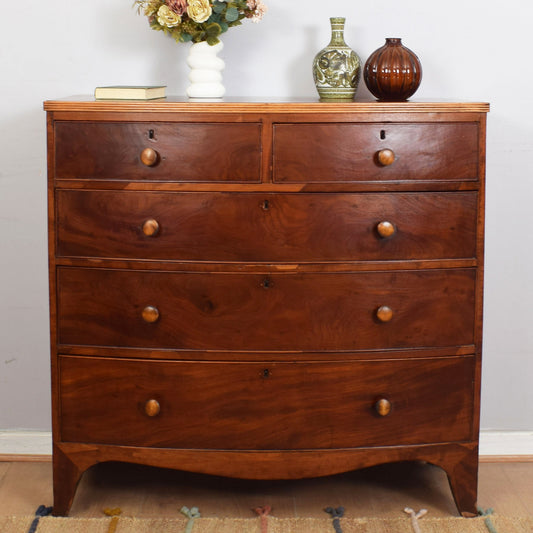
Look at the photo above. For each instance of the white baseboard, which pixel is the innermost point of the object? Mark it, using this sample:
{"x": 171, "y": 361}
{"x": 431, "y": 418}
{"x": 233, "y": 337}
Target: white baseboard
{"x": 491, "y": 443}
{"x": 506, "y": 443}
{"x": 25, "y": 443}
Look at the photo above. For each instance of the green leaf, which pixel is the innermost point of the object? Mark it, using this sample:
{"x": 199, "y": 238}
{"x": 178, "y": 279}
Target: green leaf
{"x": 185, "y": 37}
{"x": 199, "y": 36}
{"x": 218, "y": 7}
{"x": 213, "y": 30}
{"x": 232, "y": 14}
{"x": 212, "y": 40}
{"x": 223, "y": 27}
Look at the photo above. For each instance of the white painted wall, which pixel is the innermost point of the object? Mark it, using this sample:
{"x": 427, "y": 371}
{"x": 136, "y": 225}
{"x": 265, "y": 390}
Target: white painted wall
{"x": 470, "y": 50}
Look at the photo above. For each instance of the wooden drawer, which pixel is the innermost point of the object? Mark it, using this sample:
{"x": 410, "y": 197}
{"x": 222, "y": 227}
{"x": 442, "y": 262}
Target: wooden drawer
{"x": 225, "y": 152}
{"x": 342, "y": 152}
{"x": 265, "y": 406}
{"x": 265, "y": 227}
{"x": 274, "y": 312}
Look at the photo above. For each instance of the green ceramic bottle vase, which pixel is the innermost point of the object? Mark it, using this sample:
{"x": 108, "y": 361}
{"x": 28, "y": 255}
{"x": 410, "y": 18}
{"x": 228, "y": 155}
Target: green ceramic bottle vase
{"x": 337, "y": 68}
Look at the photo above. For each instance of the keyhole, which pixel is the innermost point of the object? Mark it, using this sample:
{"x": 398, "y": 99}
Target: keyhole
{"x": 265, "y": 205}
{"x": 151, "y": 134}
{"x": 267, "y": 283}
{"x": 266, "y": 373}
{"x": 382, "y": 135}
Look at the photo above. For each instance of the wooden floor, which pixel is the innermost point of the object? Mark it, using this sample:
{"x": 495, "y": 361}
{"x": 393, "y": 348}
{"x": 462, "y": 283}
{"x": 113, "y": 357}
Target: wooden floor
{"x": 380, "y": 491}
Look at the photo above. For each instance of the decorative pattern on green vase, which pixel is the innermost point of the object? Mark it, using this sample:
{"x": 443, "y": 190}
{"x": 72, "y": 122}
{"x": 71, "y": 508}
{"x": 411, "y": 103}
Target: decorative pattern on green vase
{"x": 337, "y": 68}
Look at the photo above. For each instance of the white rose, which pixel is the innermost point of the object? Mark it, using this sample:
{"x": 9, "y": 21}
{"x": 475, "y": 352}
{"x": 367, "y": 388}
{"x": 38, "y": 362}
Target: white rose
{"x": 167, "y": 17}
{"x": 199, "y": 10}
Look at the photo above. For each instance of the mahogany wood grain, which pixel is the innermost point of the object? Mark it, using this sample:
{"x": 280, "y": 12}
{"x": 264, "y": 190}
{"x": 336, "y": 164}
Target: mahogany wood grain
{"x": 274, "y": 312}
{"x": 295, "y": 106}
{"x": 258, "y": 356}
{"x": 457, "y": 459}
{"x": 251, "y": 233}
{"x": 266, "y": 227}
{"x": 269, "y": 403}
{"x": 177, "y": 152}
{"x": 350, "y": 152}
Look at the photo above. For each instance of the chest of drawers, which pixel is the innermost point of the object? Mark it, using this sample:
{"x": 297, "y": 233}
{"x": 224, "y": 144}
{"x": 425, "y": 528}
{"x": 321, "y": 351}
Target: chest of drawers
{"x": 265, "y": 290}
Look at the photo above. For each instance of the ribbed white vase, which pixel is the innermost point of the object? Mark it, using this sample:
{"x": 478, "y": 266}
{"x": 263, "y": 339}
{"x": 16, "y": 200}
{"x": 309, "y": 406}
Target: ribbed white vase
{"x": 206, "y": 71}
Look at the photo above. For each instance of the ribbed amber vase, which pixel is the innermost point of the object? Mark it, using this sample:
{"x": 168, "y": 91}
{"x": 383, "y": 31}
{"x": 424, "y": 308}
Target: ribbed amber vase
{"x": 392, "y": 72}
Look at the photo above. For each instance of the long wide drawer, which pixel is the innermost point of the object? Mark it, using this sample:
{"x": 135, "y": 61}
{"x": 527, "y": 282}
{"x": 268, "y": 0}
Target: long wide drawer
{"x": 226, "y": 152}
{"x": 266, "y": 227}
{"x": 344, "y": 152}
{"x": 270, "y": 312}
{"x": 265, "y": 406}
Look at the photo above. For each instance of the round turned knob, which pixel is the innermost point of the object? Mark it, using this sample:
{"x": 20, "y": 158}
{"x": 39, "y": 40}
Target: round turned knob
{"x": 151, "y": 227}
{"x": 386, "y": 229}
{"x": 384, "y": 313}
{"x": 150, "y": 314}
{"x": 149, "y": 157}
{"x": 383, "y": 407}
{"x": 152, "y": 408}
{"x": 386, "y": 157}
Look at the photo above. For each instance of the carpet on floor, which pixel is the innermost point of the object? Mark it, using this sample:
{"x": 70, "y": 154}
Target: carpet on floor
{"x": 48, "y": 524}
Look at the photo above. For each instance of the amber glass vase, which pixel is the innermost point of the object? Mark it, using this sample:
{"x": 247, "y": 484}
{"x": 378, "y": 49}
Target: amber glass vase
{"x": 392, "y": 72}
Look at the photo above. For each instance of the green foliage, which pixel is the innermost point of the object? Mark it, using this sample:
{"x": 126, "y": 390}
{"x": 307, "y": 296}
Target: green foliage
{"x": 211, "y": 41}
{"x": 232, "y": 14}
{"x": 224, "y": 15}
{"x": 219, "y": 7}
{"x": 213, "y": 30}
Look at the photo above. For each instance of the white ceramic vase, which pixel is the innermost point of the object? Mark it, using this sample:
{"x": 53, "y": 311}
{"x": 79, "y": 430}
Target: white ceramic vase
{"x": 206, "y": 71}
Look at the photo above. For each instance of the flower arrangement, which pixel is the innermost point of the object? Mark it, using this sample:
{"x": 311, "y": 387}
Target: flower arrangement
{"x": 199, "y": 20}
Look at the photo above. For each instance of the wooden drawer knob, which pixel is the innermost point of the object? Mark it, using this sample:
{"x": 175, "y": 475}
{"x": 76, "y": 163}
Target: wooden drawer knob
{"x": 152, "y": 408}
{"x": 386, "y": 229}
{"x": 383, "y": 407}
{"x": 149, "y": 157}
{"x": 384, "y": 313}
{"x": 386, "y": 157}
{"x": 151, "y": 227}
{"x": 150, "y": 314}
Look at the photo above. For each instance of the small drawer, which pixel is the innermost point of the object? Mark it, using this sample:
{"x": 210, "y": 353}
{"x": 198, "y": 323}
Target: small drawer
{"x": 182, "y": 152}
{"x": 244, "y": 406}
{"x": 302, "y": 227}
{"x": 375, "y": 152}
{"x": 266, "y": 312}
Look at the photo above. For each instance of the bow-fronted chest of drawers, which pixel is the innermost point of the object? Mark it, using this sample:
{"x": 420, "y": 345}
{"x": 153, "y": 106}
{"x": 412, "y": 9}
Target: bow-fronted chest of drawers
{"x": 265, "y": 290}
